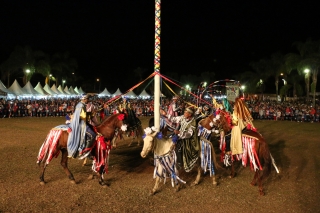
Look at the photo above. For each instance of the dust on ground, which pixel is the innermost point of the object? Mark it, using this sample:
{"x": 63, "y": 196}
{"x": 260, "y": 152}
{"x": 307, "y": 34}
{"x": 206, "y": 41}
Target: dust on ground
{"x": 295, "y": 147}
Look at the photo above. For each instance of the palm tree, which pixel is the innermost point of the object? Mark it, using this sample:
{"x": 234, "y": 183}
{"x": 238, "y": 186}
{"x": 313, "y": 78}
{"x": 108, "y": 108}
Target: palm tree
{"x": 63, "y": 66}
{"x": 261, "y": 71}
{"x": 294, "y": 79}
{"x": 272, "y": 67}
{"x": 308, "y": 58}
{"x": 19, "y": 60}
{"x": 250, "y": 79}
{"x": 22, "y": 60}
{"x": 277, "y": 68}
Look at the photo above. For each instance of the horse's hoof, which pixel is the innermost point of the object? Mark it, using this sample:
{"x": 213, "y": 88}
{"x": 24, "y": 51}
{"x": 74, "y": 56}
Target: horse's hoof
{"x": 73, "y": 181}
{"x": 215, "y": 183}
{"x": 103, "y": 184}
{"x": 42, "y": 183}
{"x": 193, "y": 184}
{"x": 152, "y": 193}
{"x": 261, "y": 193}
{"x": 90, "y": 177}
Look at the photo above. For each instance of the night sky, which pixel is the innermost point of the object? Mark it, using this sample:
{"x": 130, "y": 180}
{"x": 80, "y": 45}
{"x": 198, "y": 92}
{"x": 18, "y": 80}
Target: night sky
{"x": 111, "y": 38}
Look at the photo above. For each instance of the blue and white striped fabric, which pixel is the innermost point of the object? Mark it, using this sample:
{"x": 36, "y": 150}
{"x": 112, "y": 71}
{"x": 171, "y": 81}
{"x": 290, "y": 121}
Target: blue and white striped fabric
{"x": 167, "y": 165}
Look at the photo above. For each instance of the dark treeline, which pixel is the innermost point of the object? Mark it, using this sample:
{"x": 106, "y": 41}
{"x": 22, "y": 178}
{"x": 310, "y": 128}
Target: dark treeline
{"x": 289, "y": 74}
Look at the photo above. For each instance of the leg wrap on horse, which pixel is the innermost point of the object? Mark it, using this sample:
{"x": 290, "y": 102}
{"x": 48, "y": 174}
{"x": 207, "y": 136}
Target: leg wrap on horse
{"x": 89, "y": 142}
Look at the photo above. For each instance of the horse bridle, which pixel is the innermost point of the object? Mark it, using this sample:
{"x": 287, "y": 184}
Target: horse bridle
{"x": 151, "y": 147}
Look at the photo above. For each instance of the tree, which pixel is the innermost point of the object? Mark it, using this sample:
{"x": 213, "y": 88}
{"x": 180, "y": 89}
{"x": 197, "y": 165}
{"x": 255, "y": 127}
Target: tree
{"x": 260, "y": 68}
{"x": 308, "y": 58}
{"x": 20, "y": 60}
{"x": 294, "y": 79}
{"x": 272, "y": 67}
{"x": 250, "y": 80}
{"x": 23, "y": 60}
{"x": 277, "y": 68}
{"x": 63, "y": 67}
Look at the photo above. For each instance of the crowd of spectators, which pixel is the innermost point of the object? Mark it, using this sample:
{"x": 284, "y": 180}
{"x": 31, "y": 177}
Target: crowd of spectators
{"x": 61, "y": 107}
{"x": 261, "y": 110}
{"x": 298, "y": 111}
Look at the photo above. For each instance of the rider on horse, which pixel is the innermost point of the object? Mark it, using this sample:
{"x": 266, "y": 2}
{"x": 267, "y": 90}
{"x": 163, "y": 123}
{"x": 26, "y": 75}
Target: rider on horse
{"x": 126, "y": 108}
{"x": 172, "y": 112}
{"x": 81, "y": 134}
{"x": 187, "y": 145}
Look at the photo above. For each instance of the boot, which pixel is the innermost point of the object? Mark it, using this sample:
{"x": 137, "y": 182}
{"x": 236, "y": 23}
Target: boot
{"x": 87, "y": 148}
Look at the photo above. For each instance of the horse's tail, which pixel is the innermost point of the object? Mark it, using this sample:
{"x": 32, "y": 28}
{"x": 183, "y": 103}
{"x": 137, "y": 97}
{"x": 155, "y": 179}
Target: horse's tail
{"x": 265, "y": 153}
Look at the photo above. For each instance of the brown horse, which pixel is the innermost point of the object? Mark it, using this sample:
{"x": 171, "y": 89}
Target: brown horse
{"x": 57, "y": 141}
{"x": 255, "y": 150}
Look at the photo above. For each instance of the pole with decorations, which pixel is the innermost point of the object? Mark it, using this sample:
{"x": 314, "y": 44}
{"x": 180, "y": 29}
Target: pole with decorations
{"x": 157, "y": 64}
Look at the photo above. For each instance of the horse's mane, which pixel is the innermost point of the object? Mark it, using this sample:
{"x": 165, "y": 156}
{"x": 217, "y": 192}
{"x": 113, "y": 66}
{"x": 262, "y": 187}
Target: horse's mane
{"x": 107, "y": 120}
{"x": 224, "y": 123}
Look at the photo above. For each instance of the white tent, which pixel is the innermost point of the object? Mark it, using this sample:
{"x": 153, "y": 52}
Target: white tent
{"x": 55, "y": 89}
{"x": 61, "y": 90}
{"x": 105, "y": 92}
{"x": 77, "y": 91}
{"x": 10, "y": 94}
{"x": 71, "y": 90}
{"x": 17, "y": 90}
{"x": 30, "y": 90}
{"x": 49, "y": 90}
{"x": 118, "y": 92}
{"x": 2, "y": 93}
{"x": 162, "y": 95}
{"x": 144, "y": 94}
{"x": 66, "y": 90}
{"x": 80, "y": 91}
{"x": 130, "y": 94}
{"x": 40, "y": 89}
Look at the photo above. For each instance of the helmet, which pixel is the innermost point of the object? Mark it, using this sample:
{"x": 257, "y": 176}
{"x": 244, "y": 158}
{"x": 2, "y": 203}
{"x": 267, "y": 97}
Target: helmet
{"x": 84, "y": 96}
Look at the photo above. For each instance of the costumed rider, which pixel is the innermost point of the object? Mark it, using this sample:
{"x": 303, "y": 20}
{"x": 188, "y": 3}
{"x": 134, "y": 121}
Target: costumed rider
{"x": 241, "y": 121}
{"x": 186, "y": 141}
{"x": 126, "y": 108}
{"x": 224, "y": 109}
{"x": 81, "y": 135}
{"x": 173, "y": 110}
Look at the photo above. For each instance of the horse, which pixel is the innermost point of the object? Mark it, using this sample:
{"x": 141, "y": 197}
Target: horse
{"x": 57, "y": 138}
{"x": 165, "y": 161}
{"x": 135, "y": 130}
{"x": 255, "y": 150}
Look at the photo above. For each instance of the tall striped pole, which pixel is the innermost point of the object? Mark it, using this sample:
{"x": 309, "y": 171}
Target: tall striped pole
{"x": 157, "y": 64}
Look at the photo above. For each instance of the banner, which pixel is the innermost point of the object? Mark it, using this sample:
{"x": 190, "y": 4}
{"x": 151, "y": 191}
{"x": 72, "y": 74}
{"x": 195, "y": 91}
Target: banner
{"x": 232, "y": 90}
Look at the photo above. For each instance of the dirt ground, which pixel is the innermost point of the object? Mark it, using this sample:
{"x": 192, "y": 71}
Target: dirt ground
{"x": 295, "y": 147}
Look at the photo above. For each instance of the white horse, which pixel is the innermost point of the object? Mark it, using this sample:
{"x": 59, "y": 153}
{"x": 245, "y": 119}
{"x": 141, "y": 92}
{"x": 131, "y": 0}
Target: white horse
{"x": 165, "y": 161}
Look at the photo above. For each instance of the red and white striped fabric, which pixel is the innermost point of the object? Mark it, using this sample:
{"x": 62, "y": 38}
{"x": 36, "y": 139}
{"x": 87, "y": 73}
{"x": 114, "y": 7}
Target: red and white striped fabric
{"x": 49, "y": 146}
